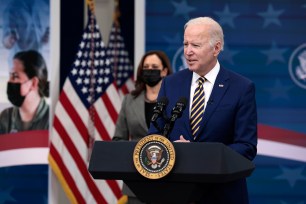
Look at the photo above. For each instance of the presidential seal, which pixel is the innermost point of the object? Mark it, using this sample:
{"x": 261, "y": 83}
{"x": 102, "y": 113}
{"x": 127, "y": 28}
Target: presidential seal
{"x": 297, "y": 66}
{"x": 179, "y": 61}
{"x": 154, "y": 156}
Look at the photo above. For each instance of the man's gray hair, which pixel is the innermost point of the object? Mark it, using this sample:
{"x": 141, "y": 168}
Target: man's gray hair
{"x": 216, "y": 32}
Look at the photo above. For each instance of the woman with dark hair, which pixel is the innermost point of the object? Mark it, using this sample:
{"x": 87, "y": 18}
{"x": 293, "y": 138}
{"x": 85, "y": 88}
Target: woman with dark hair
{"x": 26, "y": 89}
{"x": 137, "y": 107}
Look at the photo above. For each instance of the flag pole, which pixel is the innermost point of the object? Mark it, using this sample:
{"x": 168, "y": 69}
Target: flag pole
{"x": 116, "y": 16}
{"x": 91, "y": 125}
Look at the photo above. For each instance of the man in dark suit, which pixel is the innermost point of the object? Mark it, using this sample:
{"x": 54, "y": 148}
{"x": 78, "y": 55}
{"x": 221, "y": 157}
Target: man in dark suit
{"x": 227, "y": 114}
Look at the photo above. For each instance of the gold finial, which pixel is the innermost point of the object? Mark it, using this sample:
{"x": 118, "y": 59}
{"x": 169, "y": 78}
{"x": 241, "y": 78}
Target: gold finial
{"x": 91, "y": 5}
{"x": 116, "y": 13}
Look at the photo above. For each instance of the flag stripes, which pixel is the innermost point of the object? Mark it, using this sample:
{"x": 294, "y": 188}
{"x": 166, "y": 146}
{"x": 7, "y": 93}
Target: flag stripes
{"x": 87, "y": 110}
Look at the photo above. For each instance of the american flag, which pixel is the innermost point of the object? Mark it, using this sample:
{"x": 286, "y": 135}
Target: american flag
{"x": 122, "y": 67}
{"x": 86, "y": 111}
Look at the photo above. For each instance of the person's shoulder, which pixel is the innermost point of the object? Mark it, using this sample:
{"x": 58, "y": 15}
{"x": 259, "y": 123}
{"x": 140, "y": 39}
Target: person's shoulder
{"x": 6, "y": 112}
{"x": 235, "y": 76}
{"x": 128, "y": 98}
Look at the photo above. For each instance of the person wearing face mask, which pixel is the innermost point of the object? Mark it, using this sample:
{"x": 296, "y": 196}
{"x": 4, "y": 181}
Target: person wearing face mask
{"x": 137, "y": 107}
{"x": 26, "y": 89}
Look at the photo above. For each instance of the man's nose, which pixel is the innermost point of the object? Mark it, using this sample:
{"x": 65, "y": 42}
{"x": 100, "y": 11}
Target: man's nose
{"x": 188, "y": 50}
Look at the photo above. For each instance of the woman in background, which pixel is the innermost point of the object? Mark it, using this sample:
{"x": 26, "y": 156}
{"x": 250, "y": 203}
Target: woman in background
{"x": 137, "y": 107}
{"x": 26, "y": 89}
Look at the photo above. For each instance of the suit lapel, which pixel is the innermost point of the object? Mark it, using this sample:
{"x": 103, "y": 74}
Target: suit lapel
{"x": 139, "y": 110}
{"x": 185, "y": 84}
{"x": 219, "y": 89}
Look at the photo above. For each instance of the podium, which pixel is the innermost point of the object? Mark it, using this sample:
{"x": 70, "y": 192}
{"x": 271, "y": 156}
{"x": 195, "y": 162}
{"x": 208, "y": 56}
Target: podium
{"x": 197, "y": 165}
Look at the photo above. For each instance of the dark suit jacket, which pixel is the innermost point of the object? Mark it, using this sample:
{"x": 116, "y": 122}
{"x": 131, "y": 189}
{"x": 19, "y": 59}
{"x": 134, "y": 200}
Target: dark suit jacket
{"x": 230, "y": 118}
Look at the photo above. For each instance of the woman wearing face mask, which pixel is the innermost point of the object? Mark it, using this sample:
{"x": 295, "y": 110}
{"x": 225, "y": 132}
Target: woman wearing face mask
{"x": 137, "y": 107}
{"x": 26, "y": 89}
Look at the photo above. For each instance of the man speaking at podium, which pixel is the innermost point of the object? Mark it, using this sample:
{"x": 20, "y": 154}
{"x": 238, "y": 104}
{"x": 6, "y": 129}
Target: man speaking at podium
{"x": 220, "y": 105}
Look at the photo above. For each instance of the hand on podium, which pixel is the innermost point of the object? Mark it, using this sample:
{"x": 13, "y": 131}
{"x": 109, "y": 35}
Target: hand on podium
{"x": 182, "y": 139}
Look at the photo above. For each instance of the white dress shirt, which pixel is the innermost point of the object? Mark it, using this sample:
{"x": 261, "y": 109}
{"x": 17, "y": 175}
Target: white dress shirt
{"x": 208, "y": 84}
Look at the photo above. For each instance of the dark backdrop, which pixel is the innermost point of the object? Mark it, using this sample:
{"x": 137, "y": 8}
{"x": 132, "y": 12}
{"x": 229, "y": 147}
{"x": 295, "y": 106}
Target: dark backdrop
{"x": 72, "y": 25}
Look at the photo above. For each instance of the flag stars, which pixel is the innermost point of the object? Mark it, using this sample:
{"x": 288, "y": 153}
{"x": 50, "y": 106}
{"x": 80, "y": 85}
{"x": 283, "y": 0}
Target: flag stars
{"x": 292, "y": 175}
{"x": 227, "y": 17}
{"x": 97, "y": 53}
{"x": 89, "y": 99}
{"x": 5, "y": 195}
{"x": 182, "y": 8}
{"x": 85, "y": 54}
{"x": 74, "y": 71}
{"x": 271, "y": 16}
{"x": 99, "y": 89}
{"x": 274, "y": 53}
{"x": 79, "y": 81}
{"x": 86, "y": 81}
{"x": 81, "y": 72}
{"x": 79, "y": 54}
{"x": 106, "y": 80}
{"x": 107, "y": 71}
{"x": 228, "y": 54}
{"x": 83, "y": 63}
{"x": 85, "y": 36}
{"x": 77, "y": 63}
{"x": 102, "y": 53}
{"x": 96, "y": 35}
{"x": 82, "y": 44}
{"x": 119, "y": 55}
{"x": 100, "y": 80}
{"x": 279, "y": 91}
{"x": 84, "y": 90}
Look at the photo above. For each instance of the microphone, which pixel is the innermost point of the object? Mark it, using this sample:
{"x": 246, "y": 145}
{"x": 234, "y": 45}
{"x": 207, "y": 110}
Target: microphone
{"x": 176, "y": 113}
{"x": 158, "y": 110}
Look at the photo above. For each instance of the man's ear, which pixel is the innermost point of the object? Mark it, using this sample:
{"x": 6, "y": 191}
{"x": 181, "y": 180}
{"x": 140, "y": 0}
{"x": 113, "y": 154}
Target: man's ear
{"x": 217, "y": 48}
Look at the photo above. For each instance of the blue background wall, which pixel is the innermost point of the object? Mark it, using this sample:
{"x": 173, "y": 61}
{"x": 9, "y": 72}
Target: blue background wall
{"x": 263, "y": 40}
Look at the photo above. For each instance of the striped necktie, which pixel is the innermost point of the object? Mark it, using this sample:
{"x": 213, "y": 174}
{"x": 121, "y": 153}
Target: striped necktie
{"x": 197, "y": 108}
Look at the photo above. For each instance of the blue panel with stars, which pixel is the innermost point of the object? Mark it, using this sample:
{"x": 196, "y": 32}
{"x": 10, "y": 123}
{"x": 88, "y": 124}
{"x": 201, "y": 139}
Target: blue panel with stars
{"x": 264, "y": 41}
